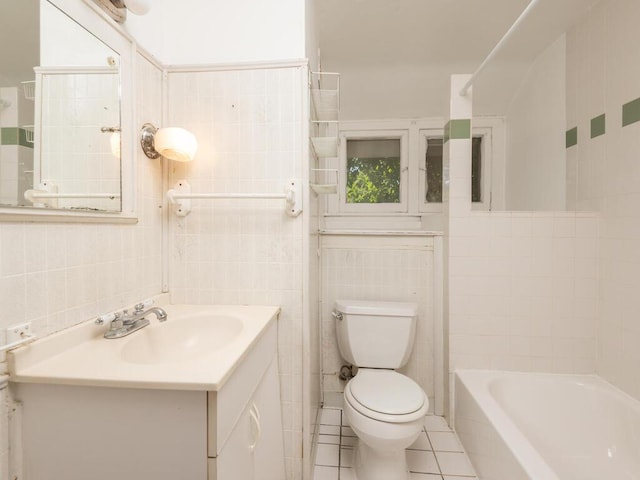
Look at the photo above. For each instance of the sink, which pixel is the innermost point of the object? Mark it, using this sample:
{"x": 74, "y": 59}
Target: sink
{"x": 197, "y": 348}
{"x": 181, "y": 339}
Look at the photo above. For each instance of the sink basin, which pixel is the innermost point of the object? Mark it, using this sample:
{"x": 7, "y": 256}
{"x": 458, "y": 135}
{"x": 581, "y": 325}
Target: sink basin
{"x": 181, "y": 339}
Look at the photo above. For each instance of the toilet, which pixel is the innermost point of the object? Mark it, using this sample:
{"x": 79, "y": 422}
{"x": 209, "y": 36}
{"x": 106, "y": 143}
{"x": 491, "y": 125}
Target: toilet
{"x": 385, "y": 409}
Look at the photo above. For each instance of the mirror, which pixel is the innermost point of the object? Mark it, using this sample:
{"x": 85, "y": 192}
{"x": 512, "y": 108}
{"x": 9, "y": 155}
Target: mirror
{"x": 60, "y": 113}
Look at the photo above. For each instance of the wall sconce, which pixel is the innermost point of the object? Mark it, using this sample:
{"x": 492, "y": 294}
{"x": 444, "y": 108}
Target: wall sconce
{"x": 117, "y": 9}
{"x": 172, "y": 143}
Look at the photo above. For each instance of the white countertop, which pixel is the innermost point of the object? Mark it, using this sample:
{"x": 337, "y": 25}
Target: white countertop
{"x": 81, "y": 356}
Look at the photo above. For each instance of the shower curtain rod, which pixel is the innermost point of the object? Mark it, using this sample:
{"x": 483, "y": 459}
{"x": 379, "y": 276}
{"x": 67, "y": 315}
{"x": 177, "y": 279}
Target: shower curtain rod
{"x": 497, "y": 48}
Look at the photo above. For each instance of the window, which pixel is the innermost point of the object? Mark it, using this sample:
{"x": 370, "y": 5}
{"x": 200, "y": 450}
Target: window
{"x": 433, "y": 175}
{"x": 374, "y": 171}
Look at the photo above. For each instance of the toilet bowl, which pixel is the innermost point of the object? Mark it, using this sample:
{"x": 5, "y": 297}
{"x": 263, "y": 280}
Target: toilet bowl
{"x": 386, "y": 411}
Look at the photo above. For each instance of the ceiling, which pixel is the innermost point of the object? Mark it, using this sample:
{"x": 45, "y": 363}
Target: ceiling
{"x": 396, "y": 56}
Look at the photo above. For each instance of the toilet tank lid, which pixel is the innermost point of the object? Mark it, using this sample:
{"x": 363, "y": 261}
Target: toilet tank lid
{"x": 369, "y": 307}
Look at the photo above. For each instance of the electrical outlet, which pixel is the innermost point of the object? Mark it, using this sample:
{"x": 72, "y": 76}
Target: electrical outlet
{"x": 18, "y": 332}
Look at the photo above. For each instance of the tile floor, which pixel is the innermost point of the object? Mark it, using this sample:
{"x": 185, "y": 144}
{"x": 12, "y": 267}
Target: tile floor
{"x": 436, "y": 455}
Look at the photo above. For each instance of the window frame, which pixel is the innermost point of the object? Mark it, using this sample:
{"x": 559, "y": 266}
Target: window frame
{"x": 418, "y": 214}
{"x": 368, "y": 208}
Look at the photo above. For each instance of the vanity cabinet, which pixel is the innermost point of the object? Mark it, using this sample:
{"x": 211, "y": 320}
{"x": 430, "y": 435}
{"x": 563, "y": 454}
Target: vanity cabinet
{"x": 76, "y": 432}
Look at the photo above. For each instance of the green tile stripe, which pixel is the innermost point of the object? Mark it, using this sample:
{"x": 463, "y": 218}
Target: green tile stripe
{"x": 14, "y": 136}
{"x": 631, "y": 112}
{"x": 598, "y": 126}
{"x": 457, "y": 129}
{"x": 572, "y": 137}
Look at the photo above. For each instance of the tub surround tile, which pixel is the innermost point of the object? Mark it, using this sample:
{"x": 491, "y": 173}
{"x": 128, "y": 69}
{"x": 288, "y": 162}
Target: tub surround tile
{"x": 631, "y": 112}
{"x": 598, "y": 126}
{"x": 571, "y": 137}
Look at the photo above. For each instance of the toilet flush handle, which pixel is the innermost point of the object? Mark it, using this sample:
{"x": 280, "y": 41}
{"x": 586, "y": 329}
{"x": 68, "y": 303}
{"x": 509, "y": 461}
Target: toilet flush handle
{"x": 337, "y": 315}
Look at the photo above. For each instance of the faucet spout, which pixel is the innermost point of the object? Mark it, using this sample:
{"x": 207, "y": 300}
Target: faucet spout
{"x": 160, "y": 314}
{"x": 127, "y": 323}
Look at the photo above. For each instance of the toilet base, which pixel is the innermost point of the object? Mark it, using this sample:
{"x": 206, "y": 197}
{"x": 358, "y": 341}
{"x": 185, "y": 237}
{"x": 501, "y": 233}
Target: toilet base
{"x": 370, "y": 464}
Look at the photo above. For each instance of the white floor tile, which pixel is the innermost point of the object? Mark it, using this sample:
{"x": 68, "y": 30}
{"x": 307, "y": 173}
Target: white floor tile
{"x": 330, "y": 416}
{"x": 336, "y": 451}
{"x": 349, "y": 441}
{"x": 332, "y": 439}
{"x": 454, "y": 463}
{"x": 329, "y": 430}
{"x": 445, "y": 442}
{"x": 422, "y": 443}
{"x": 422, "y": 462}
{"x": 347, "y": 432}
{"x": 346, "y": 457}
{"x": 347, "y": 474}
{"x": 328, "y": 455}
{"x": 434, "y": 423}
{"x": 325, "y": 473}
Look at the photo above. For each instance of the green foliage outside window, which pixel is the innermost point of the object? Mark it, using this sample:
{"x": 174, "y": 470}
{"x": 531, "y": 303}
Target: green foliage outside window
{"x": 373, "y": 180}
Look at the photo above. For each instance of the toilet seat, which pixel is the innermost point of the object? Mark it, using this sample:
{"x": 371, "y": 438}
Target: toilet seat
{"x": 386, "y": 396}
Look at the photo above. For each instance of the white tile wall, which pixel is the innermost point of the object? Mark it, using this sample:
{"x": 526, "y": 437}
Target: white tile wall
{"x": 58, "y": 275}
{"x": 249, "y": 129}
{"x": 603, "y": 74}
{"x": 91, "y": 102}
{"x": 391, "y": 268}
{"x": 524, "y": 291}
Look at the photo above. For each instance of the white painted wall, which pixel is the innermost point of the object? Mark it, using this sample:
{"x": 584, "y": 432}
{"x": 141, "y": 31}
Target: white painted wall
{"x": 536, "y": 118}
{"x": 220, "y": 31}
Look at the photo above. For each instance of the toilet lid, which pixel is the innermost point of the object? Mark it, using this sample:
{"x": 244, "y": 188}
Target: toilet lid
{"x": 388, "y": 392}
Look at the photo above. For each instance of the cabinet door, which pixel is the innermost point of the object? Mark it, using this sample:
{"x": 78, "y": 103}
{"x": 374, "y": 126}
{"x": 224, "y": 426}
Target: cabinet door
{"x": 235, "y": 461}
{"x": 268, "y": 454}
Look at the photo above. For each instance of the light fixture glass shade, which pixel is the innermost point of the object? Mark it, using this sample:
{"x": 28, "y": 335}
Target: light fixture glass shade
{"x": 138, "y": 7}
{"x": 176, "y": 144}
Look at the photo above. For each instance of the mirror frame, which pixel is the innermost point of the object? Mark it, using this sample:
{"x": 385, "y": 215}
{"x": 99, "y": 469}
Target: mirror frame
{"x": 90, "y": 16}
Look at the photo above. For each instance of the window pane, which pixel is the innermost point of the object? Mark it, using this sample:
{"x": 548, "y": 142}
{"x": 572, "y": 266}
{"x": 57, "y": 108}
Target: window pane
{"x": 433, "y": 170}
{"x": 373, "y": 171}
{"x": 476, "y": 169}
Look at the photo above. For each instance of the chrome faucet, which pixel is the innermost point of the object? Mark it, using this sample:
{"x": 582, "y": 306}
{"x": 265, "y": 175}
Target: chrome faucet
{"x": 125, "y": 323}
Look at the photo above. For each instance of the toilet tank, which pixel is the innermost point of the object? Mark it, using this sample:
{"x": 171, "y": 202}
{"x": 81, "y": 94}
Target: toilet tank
{"x": 375, "y": 334}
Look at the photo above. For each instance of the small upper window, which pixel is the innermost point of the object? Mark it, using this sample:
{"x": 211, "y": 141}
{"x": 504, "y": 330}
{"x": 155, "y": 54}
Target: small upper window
{"x": 374, "y": 167}
{"x": 433, "y": 170}
{"x": 373, "y": 171}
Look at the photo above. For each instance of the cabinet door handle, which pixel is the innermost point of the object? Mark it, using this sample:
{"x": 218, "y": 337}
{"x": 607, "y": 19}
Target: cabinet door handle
{"x": 256, "y": 431}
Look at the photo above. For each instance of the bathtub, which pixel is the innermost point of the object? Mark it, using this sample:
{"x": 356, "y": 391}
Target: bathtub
{"x": 533, "y": 426}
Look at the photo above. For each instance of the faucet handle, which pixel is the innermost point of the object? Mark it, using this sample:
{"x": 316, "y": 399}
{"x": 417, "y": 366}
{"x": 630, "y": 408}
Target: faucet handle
{"x": 139, "y": 307}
